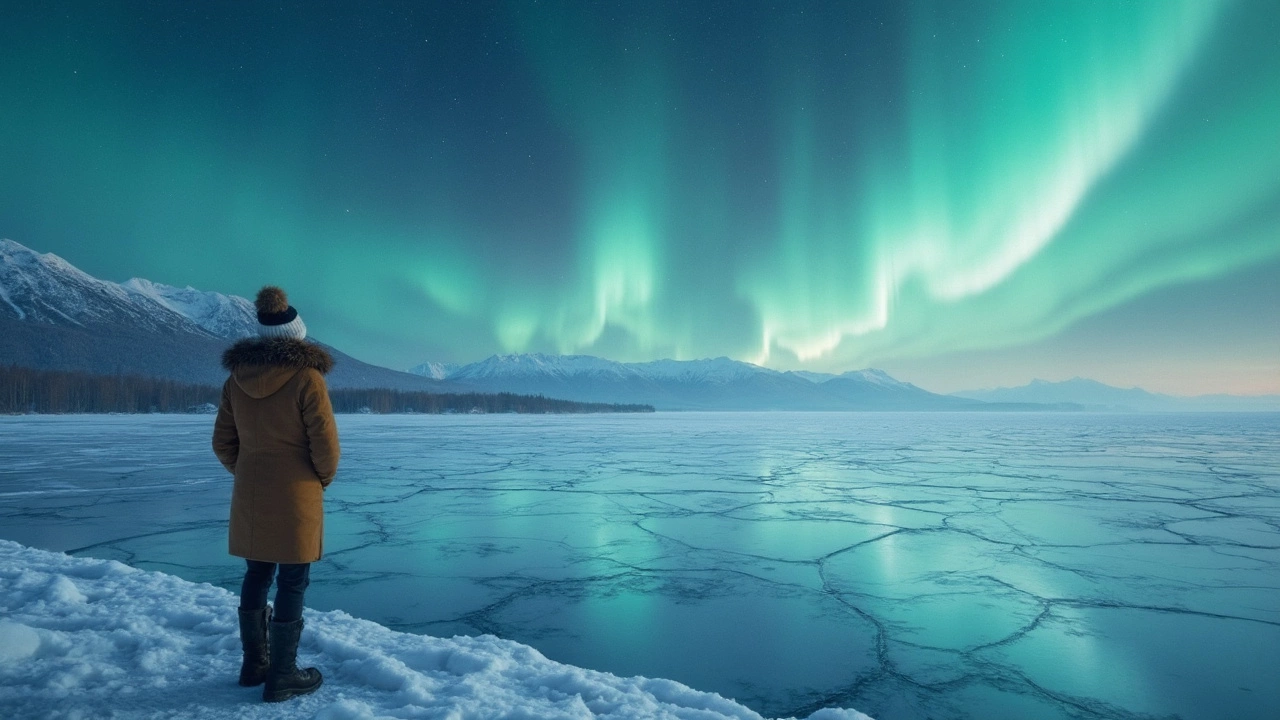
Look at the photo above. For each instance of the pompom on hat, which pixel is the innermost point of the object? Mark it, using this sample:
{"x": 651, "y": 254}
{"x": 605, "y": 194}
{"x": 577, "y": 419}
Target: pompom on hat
{"x": 276, "y": 317}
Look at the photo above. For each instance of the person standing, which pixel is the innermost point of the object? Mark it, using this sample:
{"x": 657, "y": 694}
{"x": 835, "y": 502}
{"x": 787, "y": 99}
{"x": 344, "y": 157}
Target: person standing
{"x": 275, "y": 432}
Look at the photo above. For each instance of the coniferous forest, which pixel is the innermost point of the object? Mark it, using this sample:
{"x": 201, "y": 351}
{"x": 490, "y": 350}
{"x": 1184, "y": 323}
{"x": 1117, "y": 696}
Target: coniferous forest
{"x": 25, "y": 390}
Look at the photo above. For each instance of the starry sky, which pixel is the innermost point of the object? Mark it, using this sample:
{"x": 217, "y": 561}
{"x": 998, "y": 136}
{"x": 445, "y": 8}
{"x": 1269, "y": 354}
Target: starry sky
{"x": 965, "y": 194}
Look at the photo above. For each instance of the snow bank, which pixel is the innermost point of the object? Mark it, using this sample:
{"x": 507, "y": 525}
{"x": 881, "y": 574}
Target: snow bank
{"x": 86, "y": 638}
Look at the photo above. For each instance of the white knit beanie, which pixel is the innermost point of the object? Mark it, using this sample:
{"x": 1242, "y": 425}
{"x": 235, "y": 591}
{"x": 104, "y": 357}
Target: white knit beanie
{"x": 276, "y": 317}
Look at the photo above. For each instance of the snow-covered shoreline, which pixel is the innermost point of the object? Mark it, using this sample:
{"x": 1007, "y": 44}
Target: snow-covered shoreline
{"x": 82, "y": 638}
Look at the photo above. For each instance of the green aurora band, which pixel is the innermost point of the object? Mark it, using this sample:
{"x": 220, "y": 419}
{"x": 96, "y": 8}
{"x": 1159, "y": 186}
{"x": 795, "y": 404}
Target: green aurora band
{"x": 831, "y": 187}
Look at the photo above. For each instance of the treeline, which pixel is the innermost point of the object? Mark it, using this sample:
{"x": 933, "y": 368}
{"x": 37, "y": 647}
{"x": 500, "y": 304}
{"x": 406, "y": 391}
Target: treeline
{"x": 399, "y": 401}
{"x": 24, "y": 390}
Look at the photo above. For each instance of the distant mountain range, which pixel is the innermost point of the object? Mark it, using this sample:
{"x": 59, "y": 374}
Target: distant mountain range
{"x": 1093, "y": 395}
{"x": 54, "y": 316}
{"x": 714, "y": 384}
{"x": 725, "y": 384}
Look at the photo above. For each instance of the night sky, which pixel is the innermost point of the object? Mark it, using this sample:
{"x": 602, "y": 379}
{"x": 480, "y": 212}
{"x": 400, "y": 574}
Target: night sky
{"x": 965, "y": 194}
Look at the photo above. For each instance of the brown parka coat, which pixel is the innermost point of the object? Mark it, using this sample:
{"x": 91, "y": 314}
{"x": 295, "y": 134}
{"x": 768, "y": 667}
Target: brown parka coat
{"x": 276, "y": 434}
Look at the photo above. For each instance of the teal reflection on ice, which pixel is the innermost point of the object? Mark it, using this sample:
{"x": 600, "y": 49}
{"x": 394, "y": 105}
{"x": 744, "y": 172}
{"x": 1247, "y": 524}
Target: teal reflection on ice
{"x": 910, "y": 565}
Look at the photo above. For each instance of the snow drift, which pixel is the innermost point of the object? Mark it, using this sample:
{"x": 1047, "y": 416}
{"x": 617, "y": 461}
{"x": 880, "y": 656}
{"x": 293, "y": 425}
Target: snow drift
{"x": 82, "y": 637}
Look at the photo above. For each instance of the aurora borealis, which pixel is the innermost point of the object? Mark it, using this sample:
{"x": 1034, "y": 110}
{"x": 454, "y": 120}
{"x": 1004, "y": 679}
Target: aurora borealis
{"x": 962, "y": 193}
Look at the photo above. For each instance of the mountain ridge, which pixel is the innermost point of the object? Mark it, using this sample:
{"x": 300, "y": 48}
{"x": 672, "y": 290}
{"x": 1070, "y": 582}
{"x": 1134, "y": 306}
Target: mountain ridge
{"x": 1094, "y": 395}
{"x": 54, "y": 316}
{"x": 719, "y": 383}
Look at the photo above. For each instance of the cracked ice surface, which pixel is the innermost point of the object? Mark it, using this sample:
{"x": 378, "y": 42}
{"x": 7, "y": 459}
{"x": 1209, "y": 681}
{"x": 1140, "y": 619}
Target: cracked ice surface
{"x": 89, "y": 638}
{"x": 909, "y": 565}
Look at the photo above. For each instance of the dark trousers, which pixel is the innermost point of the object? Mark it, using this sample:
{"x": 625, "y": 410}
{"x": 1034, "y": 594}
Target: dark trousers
{"x": 291, "y": 584}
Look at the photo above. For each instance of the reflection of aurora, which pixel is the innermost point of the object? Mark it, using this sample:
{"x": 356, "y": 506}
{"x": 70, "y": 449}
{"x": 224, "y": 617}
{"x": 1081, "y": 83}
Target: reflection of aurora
{"x": 857, "y": 185}
{"x": 951, "y": 565}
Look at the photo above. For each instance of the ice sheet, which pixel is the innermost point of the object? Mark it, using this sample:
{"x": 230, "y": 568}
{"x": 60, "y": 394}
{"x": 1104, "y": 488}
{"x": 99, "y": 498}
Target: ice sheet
{"x": 910, "y": 565}
{"x": 88, "y": 638}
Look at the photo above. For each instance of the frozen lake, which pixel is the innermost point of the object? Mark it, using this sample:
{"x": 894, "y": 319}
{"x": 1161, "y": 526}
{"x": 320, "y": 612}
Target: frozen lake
{"x": 908, "y": 565}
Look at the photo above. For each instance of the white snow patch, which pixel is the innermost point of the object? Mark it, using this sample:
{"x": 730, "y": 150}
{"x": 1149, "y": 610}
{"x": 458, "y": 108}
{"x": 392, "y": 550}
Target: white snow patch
{"x": 8, "y": 249}
{"x": 62, "y": 591}
{"x": 563, "y": 367}
{"x": 713, "y": 370}
{"x": 17, "y": 642}
{"x": 434, "y": 370}
{"x": 875, "y": 377}
{"x": 227, "y": 316}
{"x": 94, "y": 638}
{"x": 540, "y": 365}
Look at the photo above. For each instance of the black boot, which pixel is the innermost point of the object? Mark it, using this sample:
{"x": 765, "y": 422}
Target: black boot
{"x": 253, "y": 638}
{"x": 284, "y": 679}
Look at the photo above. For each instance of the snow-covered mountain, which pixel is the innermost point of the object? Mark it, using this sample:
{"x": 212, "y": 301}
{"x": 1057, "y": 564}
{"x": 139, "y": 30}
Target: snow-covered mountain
{"x": 434, "y": 370}
{"x": 711, "y": 370}
{"x": 871, "y": 376}
{"x": 44, "y": 288}
{"x": 716, "y": 371}
{"x": 225, "y": 316}
{"x": 1089, "y": 393}
{"x": 874, "y": 377}
{"x": 1093, "y": 395}
{"x": 537, "y": 365}
{"x": 710, "y": 384}
{"x": 814, "y": 377}
{"x": 54, "y": 316}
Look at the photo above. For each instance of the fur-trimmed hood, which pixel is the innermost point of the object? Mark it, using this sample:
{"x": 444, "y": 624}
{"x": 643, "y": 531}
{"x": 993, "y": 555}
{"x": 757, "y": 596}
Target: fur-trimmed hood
{"x": 262, "y": 366}
{"x": 282, "y": 352}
